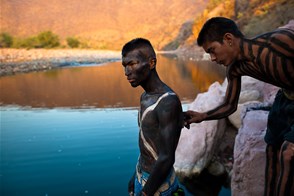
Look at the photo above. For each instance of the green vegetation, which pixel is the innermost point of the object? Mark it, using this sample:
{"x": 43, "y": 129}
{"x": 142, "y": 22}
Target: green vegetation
{"x": 30, "y": 42}
{"x": 5, "y": 40}
{"x": 73, "y": 42}
{"x": 45, "y": 39}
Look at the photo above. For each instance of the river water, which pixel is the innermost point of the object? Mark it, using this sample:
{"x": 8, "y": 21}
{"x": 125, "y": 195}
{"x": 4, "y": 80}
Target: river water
{"x": 73, "y": 131}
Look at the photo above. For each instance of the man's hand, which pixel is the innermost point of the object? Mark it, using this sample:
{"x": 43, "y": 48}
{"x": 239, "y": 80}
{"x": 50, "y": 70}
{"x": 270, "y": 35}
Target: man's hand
{"x": 192, "y": 117}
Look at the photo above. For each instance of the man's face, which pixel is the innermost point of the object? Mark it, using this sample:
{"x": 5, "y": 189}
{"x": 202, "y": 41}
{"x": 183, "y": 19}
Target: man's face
{"x": 136, "y": 68}
{"x": 221, "y": 53}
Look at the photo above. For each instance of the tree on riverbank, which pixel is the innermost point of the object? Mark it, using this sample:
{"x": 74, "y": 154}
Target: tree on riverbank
{"x": 46, "y": 39}
{"x": 72, "y": 42}
{"x": 5, "y": 40}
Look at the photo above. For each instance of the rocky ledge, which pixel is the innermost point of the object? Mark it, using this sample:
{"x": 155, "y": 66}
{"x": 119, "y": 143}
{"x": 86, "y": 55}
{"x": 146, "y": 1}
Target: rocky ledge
{"x": 14, "y": 61}
{"x": 228, "y": 152}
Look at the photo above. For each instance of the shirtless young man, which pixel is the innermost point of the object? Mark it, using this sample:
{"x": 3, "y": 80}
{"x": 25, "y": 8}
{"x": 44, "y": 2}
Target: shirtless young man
{"x": 160, "y": 122}
{"x": 270, "y": 58}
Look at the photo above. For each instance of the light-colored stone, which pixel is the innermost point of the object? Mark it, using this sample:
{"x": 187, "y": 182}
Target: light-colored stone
{"x": 252, "y": 91}
{"x": 235, "y": 118}
{"x": 249, "y": 155}
{"x": 197, "y": 144}
{"x": 249, "y": 95}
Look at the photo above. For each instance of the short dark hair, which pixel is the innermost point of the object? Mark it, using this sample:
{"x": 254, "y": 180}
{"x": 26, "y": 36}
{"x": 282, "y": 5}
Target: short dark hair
{"x": 138, "y": 43}
{"x": 215, "y": 28}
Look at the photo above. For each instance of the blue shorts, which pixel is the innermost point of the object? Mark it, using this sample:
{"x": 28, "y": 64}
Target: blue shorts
{"x": 172, "y": 185}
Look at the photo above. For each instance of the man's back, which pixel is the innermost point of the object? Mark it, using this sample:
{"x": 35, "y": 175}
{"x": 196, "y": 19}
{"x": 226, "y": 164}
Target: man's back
{"x": 269, "y": 58}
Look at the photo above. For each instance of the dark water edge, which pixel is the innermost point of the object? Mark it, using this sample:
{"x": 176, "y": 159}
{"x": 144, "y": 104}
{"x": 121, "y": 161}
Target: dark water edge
{"x": 68, "y": 151}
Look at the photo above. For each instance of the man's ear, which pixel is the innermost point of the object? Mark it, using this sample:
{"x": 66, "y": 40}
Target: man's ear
{"x": 228, "y": 38}
{"x": 152, "y": 63}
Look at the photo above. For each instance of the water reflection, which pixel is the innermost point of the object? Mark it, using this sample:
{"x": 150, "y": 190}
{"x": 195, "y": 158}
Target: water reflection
{"x": 103, "y": 86}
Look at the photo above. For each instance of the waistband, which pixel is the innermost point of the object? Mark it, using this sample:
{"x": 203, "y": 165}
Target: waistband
{"x": 289, "y": 94}
{"x": 142, "y": 177}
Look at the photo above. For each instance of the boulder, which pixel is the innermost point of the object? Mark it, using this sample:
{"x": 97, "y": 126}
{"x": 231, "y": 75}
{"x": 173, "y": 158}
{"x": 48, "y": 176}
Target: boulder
{"x": 253, "y": 91}
{"x": 197, "y": 145}
{"x": 249, "y": 154}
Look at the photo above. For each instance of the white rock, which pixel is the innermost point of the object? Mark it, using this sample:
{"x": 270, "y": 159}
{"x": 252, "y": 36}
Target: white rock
{"x": 249, "y": 95}
{"x": 197, "y": 145}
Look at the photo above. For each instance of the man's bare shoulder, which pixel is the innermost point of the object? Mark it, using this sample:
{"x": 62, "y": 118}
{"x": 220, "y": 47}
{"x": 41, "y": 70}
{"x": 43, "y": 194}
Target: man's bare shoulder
{"x": 171, "y": 98}
{"x": 170, "y": 102}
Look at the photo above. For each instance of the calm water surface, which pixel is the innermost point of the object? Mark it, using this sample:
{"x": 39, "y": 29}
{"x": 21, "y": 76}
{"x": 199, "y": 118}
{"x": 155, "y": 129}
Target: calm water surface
{"x": 67, "y": 152}
{"x": 103, "y": 86}
{"x": 73, "y": 131}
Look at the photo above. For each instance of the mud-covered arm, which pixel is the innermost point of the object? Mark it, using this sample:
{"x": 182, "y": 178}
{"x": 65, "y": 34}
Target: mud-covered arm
{"x": 169, "y": 113}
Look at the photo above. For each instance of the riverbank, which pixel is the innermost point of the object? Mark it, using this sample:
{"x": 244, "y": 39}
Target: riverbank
{"x": 14, "y": 61}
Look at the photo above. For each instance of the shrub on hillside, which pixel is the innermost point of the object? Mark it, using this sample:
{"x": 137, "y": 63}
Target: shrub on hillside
{"x": 45, "y": 39}
{"x": 5, "y": 40}
{"x": 73, "y": 42}
{"x": 30, "y": 42}
{"x": 48, "y": 39}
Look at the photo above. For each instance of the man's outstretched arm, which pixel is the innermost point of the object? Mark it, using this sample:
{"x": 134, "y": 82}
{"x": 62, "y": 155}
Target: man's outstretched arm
{"x": 228, "y": 107}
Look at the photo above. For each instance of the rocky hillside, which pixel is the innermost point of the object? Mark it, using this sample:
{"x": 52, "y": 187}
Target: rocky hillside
{"x": 253, "y": 17}
{"x": 263, "y": 15}
{"x": 106, "y": 24}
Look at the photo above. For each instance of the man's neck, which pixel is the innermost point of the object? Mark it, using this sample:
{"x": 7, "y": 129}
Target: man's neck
{"x": 246, "y": 50}
{"x": 153, "y": 85}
